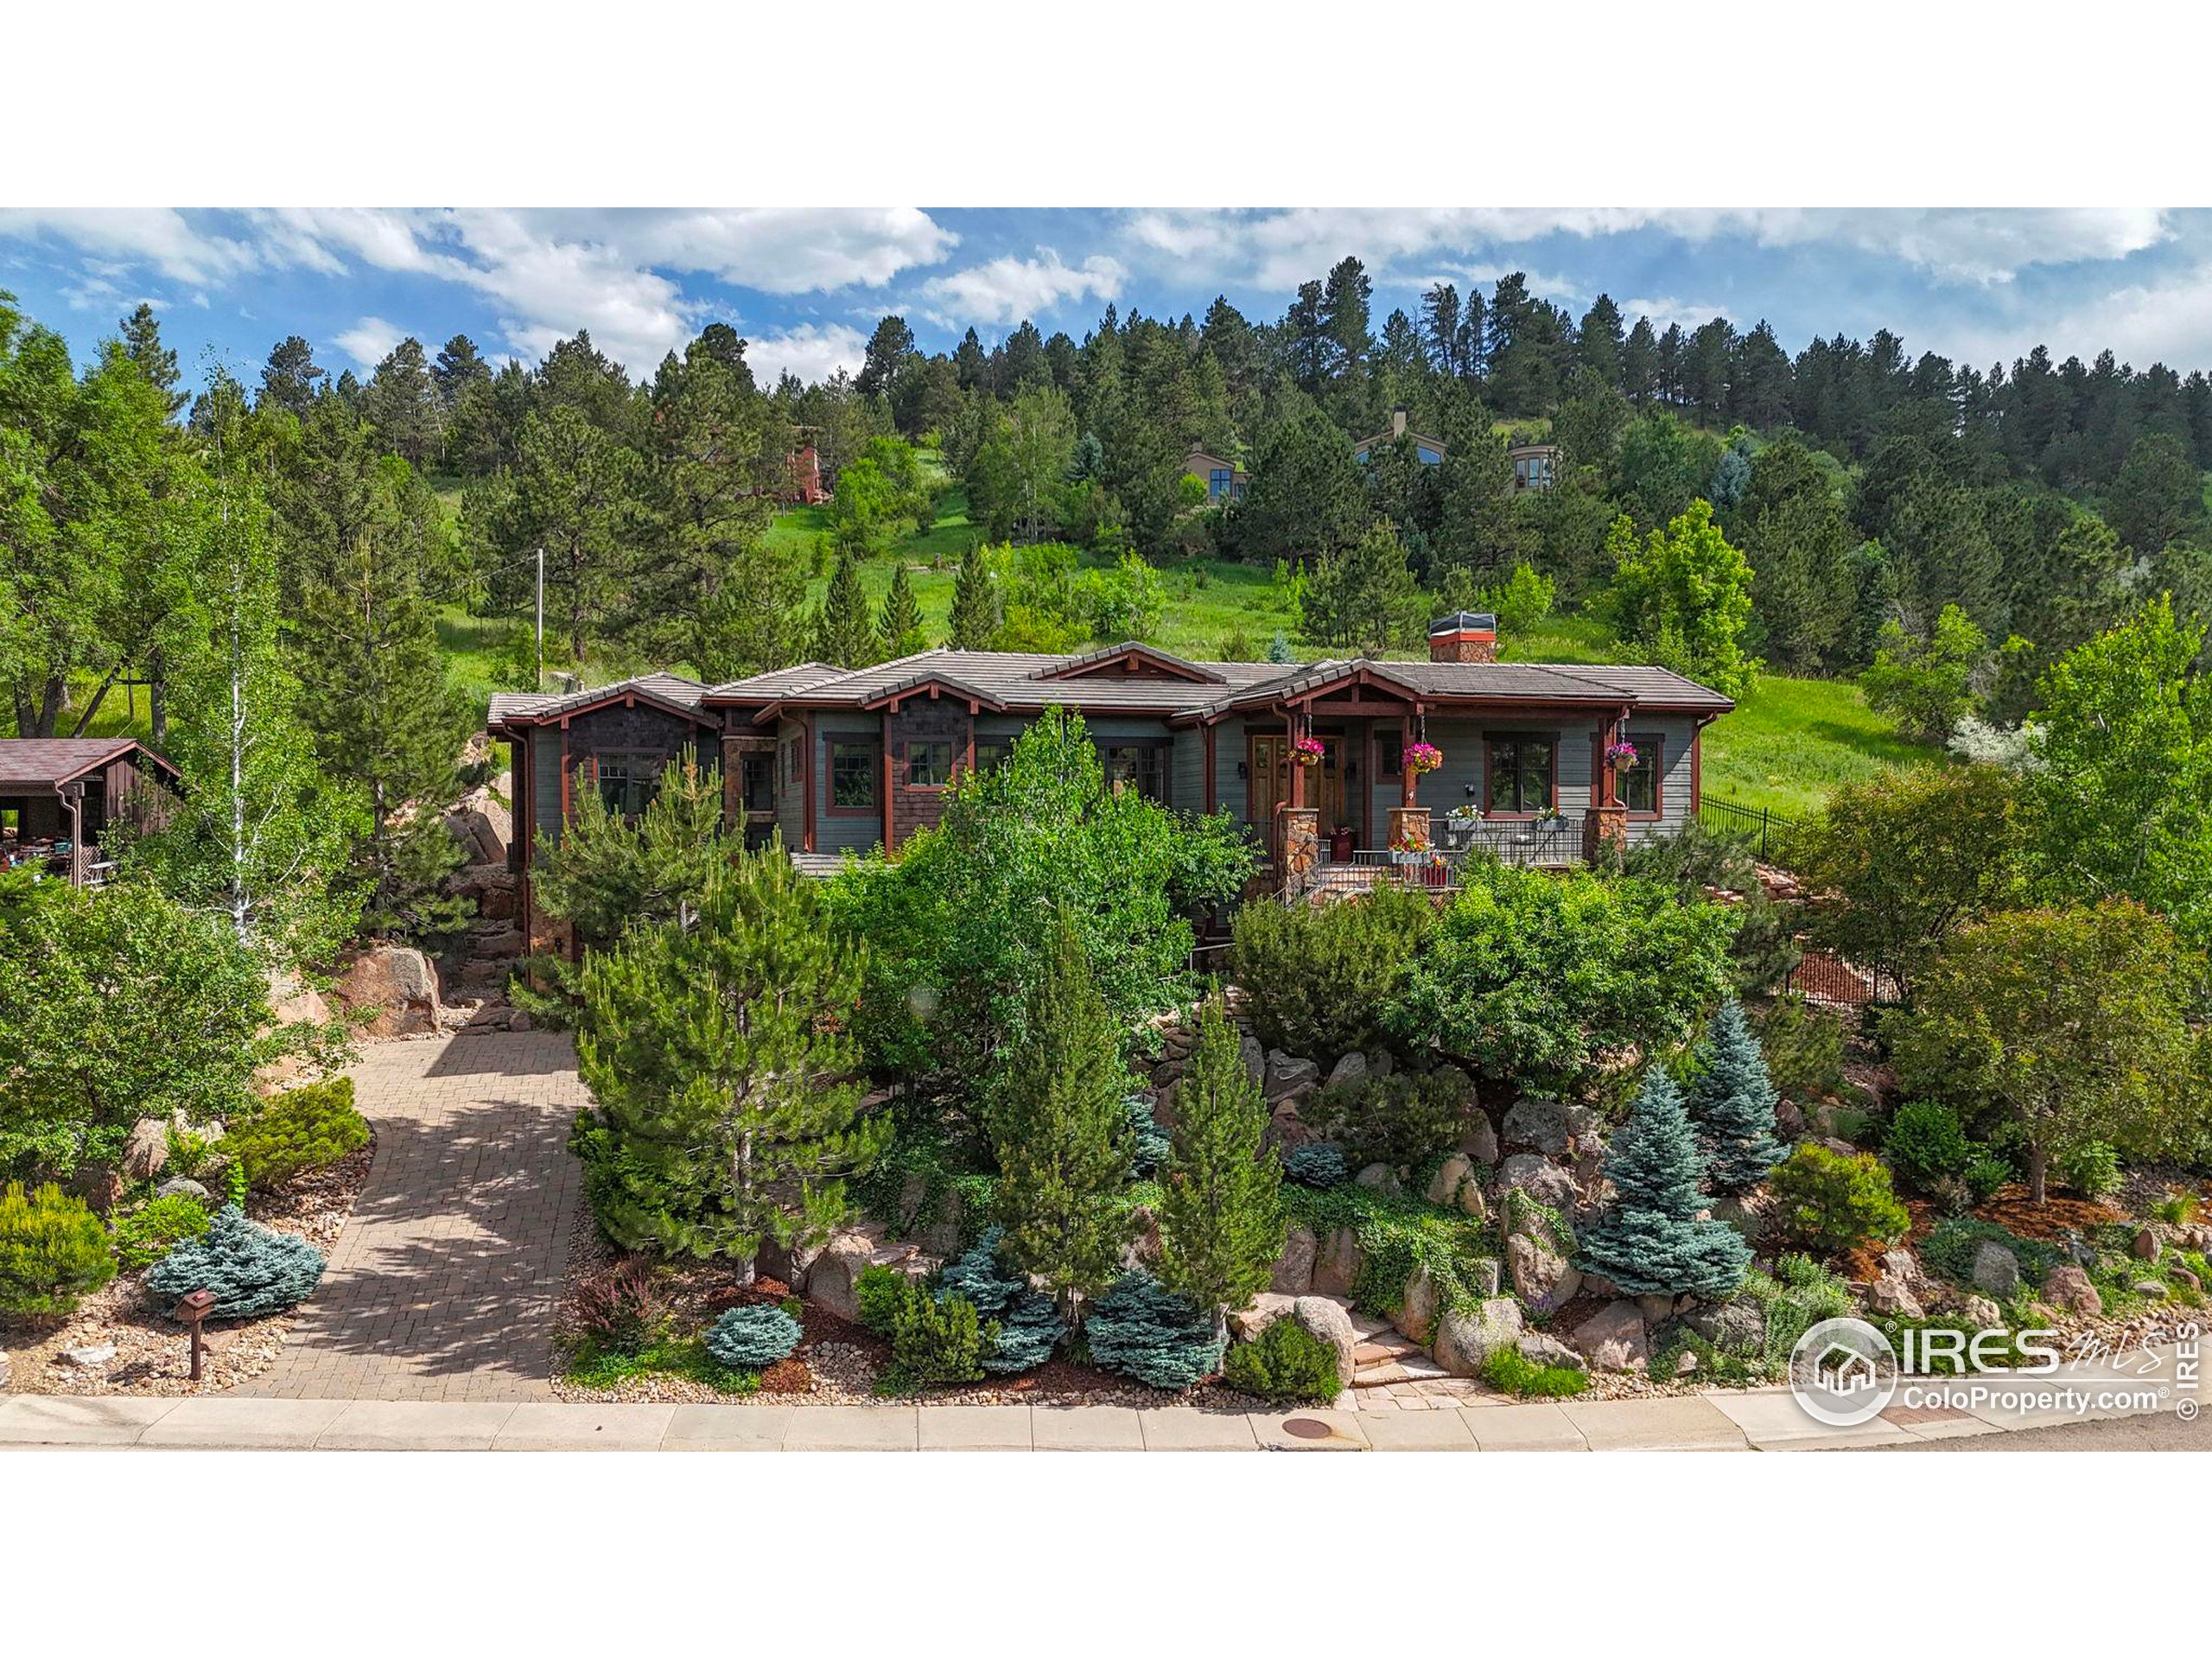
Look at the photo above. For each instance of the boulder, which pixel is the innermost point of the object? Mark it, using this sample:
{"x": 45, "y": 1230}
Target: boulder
{"x": 147, "y": 1150}
{"x": 1543, "y": 1180}
{"x": 1378, "y": 1178}
{"x": 1549, "y": 1126}
{"x": 1266, "y": 1307}
{"x": 479, "y": 836}
{"x": 294, "y": 1004}
{"x": 1904, "y": 1266}
{"x": 2145, "y": 1247}
{"x": 1613, "y": 1338}
{"x": 1335, "y": 1264}
{"x": 1294, "y": 1273}
{"x": 1453, "y": 1176}
{"x": 1416, "y": 1315}
{"x": 1288, "y": 1075}
{"x": 2185, "y": 1277}
{"x": 1484, "y": 1274}
{"x": 2067, "y": 1287}
{"x": 1381, "y": 1062}
{"x": 92, "y": 1357}
{"x": 1657, "y": 1307}
{"x": 397, "y": 983}
{"x": 1544, "y": 1280}
{"x": 1254, "y": 1058}
{"x": 832, "y": 1280}
{"x": 1736, "y": 1327}
{"x": 791, "y": 1267}
{"x": 2151, "y": 1289}
{"x": 180, "y": 1186}
{"x": 1981, "y": 1314}
{"x": 1480, "y": 1141}
{"x": 1540, "y": 1349}
{"x": 1996, "y": 1270}
{"x": 1326, "y": 1319}
{"x": 1893, "y": 1296}
{"x": 1466, "y": 1338}
{"x": 1789, "y": 1122}
{"x": 1349, "y": 1072}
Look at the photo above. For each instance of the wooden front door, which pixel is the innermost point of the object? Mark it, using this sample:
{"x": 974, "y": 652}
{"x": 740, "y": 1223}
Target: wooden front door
{"x": 1270, "y": 783}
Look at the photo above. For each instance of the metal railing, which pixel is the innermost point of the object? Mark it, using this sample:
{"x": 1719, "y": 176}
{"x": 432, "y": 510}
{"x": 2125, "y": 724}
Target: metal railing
{"x": 1762, "y": 826}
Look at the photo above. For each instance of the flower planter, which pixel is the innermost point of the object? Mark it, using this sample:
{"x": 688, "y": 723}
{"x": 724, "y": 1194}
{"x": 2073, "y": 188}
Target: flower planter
{"x": 1340, "y": 847}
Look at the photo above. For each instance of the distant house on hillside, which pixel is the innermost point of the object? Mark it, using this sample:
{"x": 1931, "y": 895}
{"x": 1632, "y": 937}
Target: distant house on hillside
{"x": 1536, "y": 466}
{"x": 806, "y": 489}
{"x": 1431, "y": 450}
{"x": 1224, "y": 479}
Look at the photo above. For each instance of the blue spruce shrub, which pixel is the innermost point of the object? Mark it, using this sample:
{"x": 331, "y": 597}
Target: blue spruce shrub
{"x": 1028, "y": 1332}
{"x": 1148, "y": 1143}
{"x": 749, "y": 1337}
{"x": 1317, "y": 1164}
{"x": 1143, "y": 1330}
{"x": 1029, "y": 1324}
{"x": 253, "y": 1270}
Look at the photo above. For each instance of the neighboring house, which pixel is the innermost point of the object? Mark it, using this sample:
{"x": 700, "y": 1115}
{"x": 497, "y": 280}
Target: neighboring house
{"x": 1430, "y": 450}
{"x": 1224, "y": 479}
{"x": 1536, "y": 466}
{"x": 842, "y": 761}
{"x": 807, "y": 489}
{"x": 61, "y": 796}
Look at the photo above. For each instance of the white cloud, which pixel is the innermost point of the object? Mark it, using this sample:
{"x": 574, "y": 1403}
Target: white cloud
{"x": 1693, "y": 315}
{"x": 160, "y": 236}
{"x": 775, "y": 249}
{"x": 1006, "y": 289}
{"x": 1960, "y": 245}
{"x": 369, "y": 341}
{"x": 2167, "y": 319}
{"x": 812, "y": 351}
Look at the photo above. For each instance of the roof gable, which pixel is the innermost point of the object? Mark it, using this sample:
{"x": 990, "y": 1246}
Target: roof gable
{"x": 49, "y": 762}
{"x": 1130, "y": 658}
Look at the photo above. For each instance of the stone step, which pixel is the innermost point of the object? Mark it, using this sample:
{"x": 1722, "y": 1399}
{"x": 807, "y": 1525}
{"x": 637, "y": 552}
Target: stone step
{"x": 1383, "y": 1346}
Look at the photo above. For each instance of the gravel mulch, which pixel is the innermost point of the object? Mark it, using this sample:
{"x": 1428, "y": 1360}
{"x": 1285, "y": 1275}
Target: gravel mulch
{"x": 152, "y": 1351}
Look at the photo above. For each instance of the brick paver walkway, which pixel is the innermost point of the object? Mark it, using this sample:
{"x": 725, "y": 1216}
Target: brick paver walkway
{"x": 443, "y": 1284}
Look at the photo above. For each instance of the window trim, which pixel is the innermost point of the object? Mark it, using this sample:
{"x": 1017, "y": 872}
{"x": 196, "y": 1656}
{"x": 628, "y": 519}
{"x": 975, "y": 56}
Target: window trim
{"x": 633, "y": 762}
{"x": 1490, "y": 741}
{"x": 872, "y": 742}
{"x": 1658, "y": 752}
{"x": 906, "y": 748}
{"x": 1163, "y": 750}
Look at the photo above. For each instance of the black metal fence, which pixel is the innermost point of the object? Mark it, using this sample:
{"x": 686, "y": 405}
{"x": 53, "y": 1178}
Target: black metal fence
{"x": 1762, "y": 826}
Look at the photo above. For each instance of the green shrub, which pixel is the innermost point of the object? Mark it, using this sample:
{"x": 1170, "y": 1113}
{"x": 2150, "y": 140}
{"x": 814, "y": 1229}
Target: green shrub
{"x": 53, "y": 1250}
{"x": 752, "y": 1337}
{"x": 1317, "y": 1164}
{"x": 1320, "y": 980}
{"x": 1927, "y": 1145}
{"x": 1951, "y": 1245}
{"x": 1829, "y": 1202}
{"x": 1397, "y": 1233}
{"x": 1402, "y": 1119}
{"x": 2093, "y": 1171}
{"x": 2177, "y": 1209}
{"x": 253, "y": 1270}
{"x": 936, "y": 1340}
{"x": 1029, "y": 1326}
{"x": 1284, "y": 1362}
{"x": 879, "y": 1291}
{"x": 1510, "y": 1371}
{"x": 1148, "y": 1143}
{"x": 1800, "y": 1295}
{"x": 1803, "y": 1046}
{"x": 302, "y": 1129}
{"x": 1985, "y": 1171}
{"x": 1143, "y": 1330}
{"x": 152, "y": 1231}
{"x": 620, "y": 1309}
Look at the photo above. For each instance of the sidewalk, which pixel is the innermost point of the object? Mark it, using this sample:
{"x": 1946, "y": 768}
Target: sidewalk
{"x": 1761, "y": 1421}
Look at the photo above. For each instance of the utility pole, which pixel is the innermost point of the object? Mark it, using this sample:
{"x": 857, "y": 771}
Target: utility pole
{"x": 541, "y": 619}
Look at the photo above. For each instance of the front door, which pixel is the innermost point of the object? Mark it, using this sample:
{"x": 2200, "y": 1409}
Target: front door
{"x": 1325, "y": 784}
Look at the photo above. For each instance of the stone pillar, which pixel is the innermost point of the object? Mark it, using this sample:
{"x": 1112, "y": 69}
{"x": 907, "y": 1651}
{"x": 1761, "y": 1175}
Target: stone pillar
{"x": 1605, "y": 831}
{"x": 1298, "y": 832}
{"x": 1413, "y": 819}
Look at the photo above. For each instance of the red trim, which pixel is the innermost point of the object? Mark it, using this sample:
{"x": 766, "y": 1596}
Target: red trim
{"x": 1658, "y": 777}
{"x": 806, "y": 778}
{"x": 1491, "y": 739}
{"x": 889, "y": 837}
{"x": 830, "y": 739}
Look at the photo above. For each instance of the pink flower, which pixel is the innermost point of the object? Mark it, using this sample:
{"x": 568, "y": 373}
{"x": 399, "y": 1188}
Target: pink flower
{"x": 1421, "y": 757}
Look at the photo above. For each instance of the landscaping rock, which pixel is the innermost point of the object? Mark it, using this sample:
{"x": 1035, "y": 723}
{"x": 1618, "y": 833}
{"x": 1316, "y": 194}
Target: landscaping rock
{"x": 1544, "y": 1280}
{"x": 1613, "y": 1338}
{"x": 2067, "y": 1287}
{"x": 1381, "y": 1062}
{"x": 1480, "y": 1141}
{"x": 1996, "y": 1270}
{"x": 1466, "y": 1338}
{"x": 1736, "y": 1327}
{"x": 1335, "y": 1264}
{"x": 93, "y": 1356}
{"x": 1893, "y": 1296}
{"x": 1485, "y": 1276}
{"x": 1543, "y": 1180}
{"x": 1540, "y": 1349}
{"x": 1254, "y": 1058}
{"x": 147, "y": 1150}
{"x": 184, "y": 1184}
{"x": 2146, "y": 1246}
{"x": 7, "y": 1369}
{"x": 1454, "y": 1177}
{"x": 1904, "y": 1266}
{"x": 1982, "y": 1313}
{"x": 1328, "y": 1321}
{"x": 481, "y": 840}
{"x": 1416, "y": 1314}
{"x": 1378, "y": 1178}
{"x": 398, "y": 982}
{"x": 1247, "y": 1324}
{"x": 1789, "y": 1122}
{"x": 2152, "y": 1289}
{"x": 1655, "y": 1308}
{"x": 1348, "y": 1073}
{"x": 1288, "y": 1075}
{"x": 1294, "y": 1273}
{"x": 1549, "y": 1126}
{"x": 2187, "y": 1278}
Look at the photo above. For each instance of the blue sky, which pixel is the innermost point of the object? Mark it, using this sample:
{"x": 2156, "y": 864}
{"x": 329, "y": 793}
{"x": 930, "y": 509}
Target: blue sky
{"x": 806, "y": 285}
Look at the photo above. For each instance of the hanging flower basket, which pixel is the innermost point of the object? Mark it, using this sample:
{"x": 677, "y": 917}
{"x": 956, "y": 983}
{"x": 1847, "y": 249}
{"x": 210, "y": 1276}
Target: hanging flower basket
{"x": 1421, "y": 757}
{"x": 1620, "y": 756}
{"x": 1307, "y": 751}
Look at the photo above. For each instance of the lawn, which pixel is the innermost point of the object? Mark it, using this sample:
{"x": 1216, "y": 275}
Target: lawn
{"x": 1791, "y": 741}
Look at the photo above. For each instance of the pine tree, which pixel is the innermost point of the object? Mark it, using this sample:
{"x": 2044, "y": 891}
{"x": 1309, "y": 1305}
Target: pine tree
{"x": 1731, "y": 1103}
{"x": 899, "y": 627}
{"x": 844, "y": 634}
{"x": 1649, "y": 1240}
{"x": 975, "y": 617}
{"x": 727, "y": 1103}
{"x": 141, "y": 344}
{"x": 1221, "y": 1222}
{"x": 1059, "y": 1133}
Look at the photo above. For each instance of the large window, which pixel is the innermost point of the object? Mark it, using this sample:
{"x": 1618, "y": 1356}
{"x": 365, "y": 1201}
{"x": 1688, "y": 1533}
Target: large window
{"x": 628, "y": 783}
{"x": 1217, "y": 483}
{"x": 853, "y": 762}
{"x": 928, "y": 764}
{"x": 1141, "y": 766}
{"x": 1522, "y": 768}
{"x": 1389, "y": 750}
{"x": 1639, "y": 784}
{"x": 991, "y": 752}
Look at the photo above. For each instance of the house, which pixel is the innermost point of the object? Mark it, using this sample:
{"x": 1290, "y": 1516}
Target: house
{"x": 61, "y": 796}
{"x": 807, "y": 489}
{"x": 1536, "y": 466}
{"x": 1431, "y": 451}
{"x": 1224, "y": 479}
{"x": 840, "y": 761}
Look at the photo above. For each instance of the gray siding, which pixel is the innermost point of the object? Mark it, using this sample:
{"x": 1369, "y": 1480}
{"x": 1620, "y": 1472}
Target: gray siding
{"x": 1677, "y": 734}
{"x": 1186, "y": 782}
{"x": 842, "y": 834}
{"x": 791, "y": 793}
{"x": 1229, "y": 753}
{"x": 546, "y": 781}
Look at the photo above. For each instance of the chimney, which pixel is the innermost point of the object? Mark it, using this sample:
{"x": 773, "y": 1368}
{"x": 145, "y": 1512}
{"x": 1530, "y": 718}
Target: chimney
{"x": 1463, "y": 637}
{"x": 1398, "y": 421}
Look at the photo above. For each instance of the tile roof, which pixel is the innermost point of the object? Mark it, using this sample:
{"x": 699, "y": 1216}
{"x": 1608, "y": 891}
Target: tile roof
{"x": 540, "y": 705}
{"x": 46, "y": 761}
{"x": 1010, "y": 677}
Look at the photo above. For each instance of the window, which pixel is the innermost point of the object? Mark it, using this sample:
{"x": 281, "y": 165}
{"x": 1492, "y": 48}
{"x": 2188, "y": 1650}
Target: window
{"x": 1389, "y": 750}
{"x": 1217, "y": 482}
{"x": 794, "y": 759}
{"x": 852, "y": 762}
{"x": 627, "y": 782}
{"x": 1639, "y": 784}
{"x": 1520, "y": 772}
{"x": 991, "y": 752}
{"x": 1139, "y": 766}
{"x": 929, "y": 765}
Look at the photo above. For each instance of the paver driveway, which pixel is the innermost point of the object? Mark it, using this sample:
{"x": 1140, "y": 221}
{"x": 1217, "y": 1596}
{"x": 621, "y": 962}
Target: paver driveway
{"x": 443, "y": 1284}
